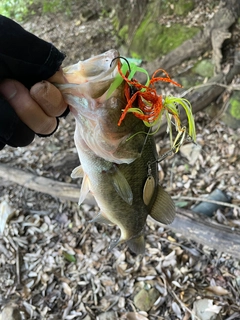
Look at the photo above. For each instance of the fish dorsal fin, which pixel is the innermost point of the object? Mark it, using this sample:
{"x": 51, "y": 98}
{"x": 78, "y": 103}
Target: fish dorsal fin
{"x": 163, "y": 209}
{"x": 84, "y": 189}
{"x": 77, "y": 173}
{"x": 101, "y": 219}
{"x": 148, "y": 189}
{"x": 137, "y": 244}
{"x": 121, "y": 185}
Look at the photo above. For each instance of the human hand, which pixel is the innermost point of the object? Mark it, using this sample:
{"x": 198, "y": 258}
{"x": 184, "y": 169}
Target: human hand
{"x": 39, "y": 107}
{"x": 28, "y": 105}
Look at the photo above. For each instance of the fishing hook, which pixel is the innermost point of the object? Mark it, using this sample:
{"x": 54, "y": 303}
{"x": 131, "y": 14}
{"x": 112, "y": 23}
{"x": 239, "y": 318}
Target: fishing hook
{"x": 120, "y": 57}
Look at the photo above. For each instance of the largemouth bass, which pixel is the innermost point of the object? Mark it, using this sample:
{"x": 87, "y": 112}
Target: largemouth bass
{"x": 118, "y": 163}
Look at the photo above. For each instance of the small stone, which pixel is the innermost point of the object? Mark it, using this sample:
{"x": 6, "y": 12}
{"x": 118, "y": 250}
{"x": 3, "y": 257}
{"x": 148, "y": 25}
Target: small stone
{"x": 11, "y": 312}
{"x": 141, "y": 300}
{"x": 144, "y": 300}
{"x": 153, "y": 296}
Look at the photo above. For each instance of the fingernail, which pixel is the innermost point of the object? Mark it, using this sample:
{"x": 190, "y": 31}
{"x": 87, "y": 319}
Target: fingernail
{"x": 8, "y": 89}
{"x": 39, "y": 89}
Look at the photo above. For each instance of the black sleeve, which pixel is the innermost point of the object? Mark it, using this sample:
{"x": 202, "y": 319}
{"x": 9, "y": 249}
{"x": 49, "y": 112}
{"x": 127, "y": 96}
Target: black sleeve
{"x": 13, "y": 131}
{"x": 25, "y": 57}
{"x": 28, "y": 59}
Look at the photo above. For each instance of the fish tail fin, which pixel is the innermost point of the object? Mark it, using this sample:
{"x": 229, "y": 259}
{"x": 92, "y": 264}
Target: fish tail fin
{"x": 163, "y": 209}
{"x": 137, "y": 244}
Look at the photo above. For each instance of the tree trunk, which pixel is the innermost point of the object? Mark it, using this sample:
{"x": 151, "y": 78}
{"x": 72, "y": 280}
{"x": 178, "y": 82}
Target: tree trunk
{"x": 199, "y": 44}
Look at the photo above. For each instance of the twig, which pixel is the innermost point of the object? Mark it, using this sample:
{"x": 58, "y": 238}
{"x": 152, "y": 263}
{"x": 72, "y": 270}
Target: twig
{"x": 225, "y": 204}
{"x": 173, "y": 294}
{"x": 231, "y": 87}
{"x": 18, "y": 267}
{"x": 94, "y": 292}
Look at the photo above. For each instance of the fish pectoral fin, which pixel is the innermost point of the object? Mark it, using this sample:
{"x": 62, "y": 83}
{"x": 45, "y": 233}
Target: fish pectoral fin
{"x": 163, "y": 209}
{"x": 121, "y": 185}
{"x": 101, "y": 219}
{"x": 77, "y": 172}
{"x": 84, "y": 189}
{"x": 137, "y": 244}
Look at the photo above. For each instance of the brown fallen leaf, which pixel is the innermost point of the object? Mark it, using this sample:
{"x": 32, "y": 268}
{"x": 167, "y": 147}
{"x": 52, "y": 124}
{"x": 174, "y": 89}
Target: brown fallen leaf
{"x": 111, "y": 315}
{"x": 133, "y": 316}
{"x": 218, "y": 290}
{"x": 191, "y": 151}
{"x": 67, "y": 290}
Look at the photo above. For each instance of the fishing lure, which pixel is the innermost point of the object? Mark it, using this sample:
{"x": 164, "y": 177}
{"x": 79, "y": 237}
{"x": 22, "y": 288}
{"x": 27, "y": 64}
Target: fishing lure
{"x": 151, "y": 105}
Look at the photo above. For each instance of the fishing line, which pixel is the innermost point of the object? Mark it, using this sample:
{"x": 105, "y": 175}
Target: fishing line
{"x": 145, "y": 141}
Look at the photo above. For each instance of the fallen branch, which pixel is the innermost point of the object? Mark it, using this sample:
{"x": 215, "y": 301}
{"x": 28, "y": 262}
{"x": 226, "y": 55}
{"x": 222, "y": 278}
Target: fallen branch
{"x": 199, "y": 199}
{"x": 54, "y": 188}
{"x": 230, "y": 87}
{"x": 201, "y": 229}
{"x": 189, "y": 224}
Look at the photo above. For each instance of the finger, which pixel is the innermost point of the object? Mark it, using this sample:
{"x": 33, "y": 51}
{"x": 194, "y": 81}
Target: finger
{"x": 13, "y": 131}
{"x": 26, "y": 108}
{"x": 49, "y": 98}
{"x": 58, "y": 77}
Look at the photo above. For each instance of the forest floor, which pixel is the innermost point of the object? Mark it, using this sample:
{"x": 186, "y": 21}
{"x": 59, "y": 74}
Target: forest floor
{"x": 55, "y": 265}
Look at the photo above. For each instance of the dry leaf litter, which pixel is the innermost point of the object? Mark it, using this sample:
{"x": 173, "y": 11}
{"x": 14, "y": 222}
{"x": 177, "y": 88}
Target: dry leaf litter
{"x": 54, "y": 264}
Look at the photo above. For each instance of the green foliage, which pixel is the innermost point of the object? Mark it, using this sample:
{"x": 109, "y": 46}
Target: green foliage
{"x": 17, "y": 9}
{"x": 152, "y": 39}
{"x": 182, "y": 7}
{"x": 204, "y": 68}
{"x": 22, "y": 9}
{"x": 69, "y": 257}
{"x": 235, "y": 107}
{"x": 232, "y": 116}
{"x": 57, "y": 6}
{"x": 149, "y": 38}
{"x": 123, "y": 32}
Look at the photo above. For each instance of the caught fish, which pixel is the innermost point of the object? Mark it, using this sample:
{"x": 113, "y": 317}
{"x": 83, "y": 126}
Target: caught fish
{"x": 119, "y": 163}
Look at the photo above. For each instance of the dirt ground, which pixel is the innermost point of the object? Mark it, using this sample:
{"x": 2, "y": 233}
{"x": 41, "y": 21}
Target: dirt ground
{"x": 54, "y": 264}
